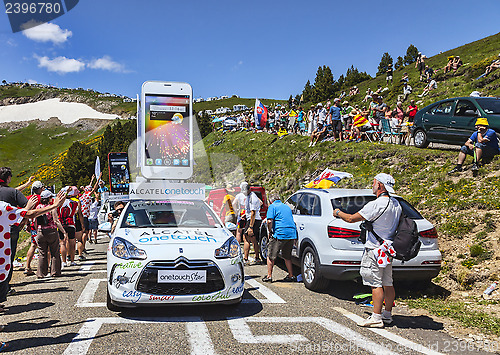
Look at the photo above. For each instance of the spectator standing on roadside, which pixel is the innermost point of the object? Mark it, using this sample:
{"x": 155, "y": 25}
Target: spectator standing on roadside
{"x": 239, "y": 208}
{"x": 251, "y": 232}
{"x": 86, "y": 201}
{"x": 347, "y": 116}
{"x": 93, "y": 222}
{"x": 380, "y": 109}
{"x": 483, "y": 143}
{"x": 336, "y": 120}
{"x": 36, "y": 190}
{"x": 420, "y": 65}
{"x": 16, "y": 199}
{"x": 227, "y": 207}
{"x": 67, "y": 213}
{"x": 47, "y": 238}
{"x": 301, "y": 124}
{"x": 384, "y": 213}
{"x": 311, "y": 124}
{"x": 282, "y": 234}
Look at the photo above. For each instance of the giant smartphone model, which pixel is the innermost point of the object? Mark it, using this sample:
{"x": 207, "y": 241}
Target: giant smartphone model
{"x": 167, "y": 130}
{"x": 119, "y": 172}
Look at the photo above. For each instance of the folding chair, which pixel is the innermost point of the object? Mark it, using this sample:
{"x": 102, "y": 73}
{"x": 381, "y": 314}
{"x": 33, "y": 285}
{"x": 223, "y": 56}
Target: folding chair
{"x": 387, "y": 130}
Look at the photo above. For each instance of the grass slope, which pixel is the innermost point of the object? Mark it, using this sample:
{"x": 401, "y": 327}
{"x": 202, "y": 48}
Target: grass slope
{"x": 26, "y": 149}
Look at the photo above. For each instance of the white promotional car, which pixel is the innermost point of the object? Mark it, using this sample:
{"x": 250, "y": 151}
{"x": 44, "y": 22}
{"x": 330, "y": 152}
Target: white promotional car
{"x": 328, "y": 248}
{"x": 172, "y": 252}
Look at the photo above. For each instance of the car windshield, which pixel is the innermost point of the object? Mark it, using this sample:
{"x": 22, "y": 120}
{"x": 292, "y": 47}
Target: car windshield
{"x": 491, "y": 106}
{"x": 354, "y": 204}
{"x": 196, "y": 214}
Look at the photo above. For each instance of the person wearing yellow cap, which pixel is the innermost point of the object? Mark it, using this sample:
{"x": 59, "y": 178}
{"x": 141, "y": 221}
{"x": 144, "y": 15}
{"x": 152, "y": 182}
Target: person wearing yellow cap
{"x": 482, "y": 143}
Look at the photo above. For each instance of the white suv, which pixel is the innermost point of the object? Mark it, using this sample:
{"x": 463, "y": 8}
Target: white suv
{"x": 328, "y": 248}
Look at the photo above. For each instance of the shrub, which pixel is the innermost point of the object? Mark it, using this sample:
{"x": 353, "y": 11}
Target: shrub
{"x": 476, "y": 250}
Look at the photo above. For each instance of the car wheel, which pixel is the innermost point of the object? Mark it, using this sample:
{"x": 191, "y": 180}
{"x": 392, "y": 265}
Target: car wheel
{"x": 420, "y": 139}
{"x": 311, "y": 275}
{"x": 110, "y": 305}
{"x": 264, "y": 241}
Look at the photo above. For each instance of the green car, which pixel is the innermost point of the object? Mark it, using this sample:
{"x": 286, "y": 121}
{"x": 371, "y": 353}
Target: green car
{"x": 452, "y": 121}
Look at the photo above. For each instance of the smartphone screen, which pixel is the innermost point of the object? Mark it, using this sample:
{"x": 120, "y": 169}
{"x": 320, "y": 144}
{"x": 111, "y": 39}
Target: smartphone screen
{"x": 167, "y": 127}
{"x": 119, "y": 176}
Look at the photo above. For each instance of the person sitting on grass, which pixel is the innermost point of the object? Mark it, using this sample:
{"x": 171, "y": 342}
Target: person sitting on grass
{"x": 432, "y": 85}
{"x": 360, "y": 124}
{"x": 449, "y": 65}
{"x": 494, "y": 65}
{"x": 457, "y": 63}
{"x": 482, "y": 144}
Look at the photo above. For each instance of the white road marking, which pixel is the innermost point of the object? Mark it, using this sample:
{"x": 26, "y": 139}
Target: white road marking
{"x": 198, "y": 335}
{"x": 408, "y": 344}
{"x": 271, "y": 297}
{"x": 87, "y": 297}
{"x": 243, "y": 334}
{"x": 85, "y": 267}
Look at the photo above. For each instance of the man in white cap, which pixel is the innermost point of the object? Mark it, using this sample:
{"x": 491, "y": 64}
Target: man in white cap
{"x": 383, "y": 213}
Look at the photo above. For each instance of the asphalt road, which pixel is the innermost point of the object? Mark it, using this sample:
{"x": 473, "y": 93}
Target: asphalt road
{"x": 67, "y": 315}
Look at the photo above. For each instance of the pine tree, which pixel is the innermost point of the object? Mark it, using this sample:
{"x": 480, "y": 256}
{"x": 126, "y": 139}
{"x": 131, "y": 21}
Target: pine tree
{"x": 411, "y": 54}
{"x": 204, "y": 124}
{"x": 399, "y": 63}
{"x": 323, "y": 84}
{"x": 78, "y": 165}
{"x": 384, "y": 63}
{"x": 307, "y": 93}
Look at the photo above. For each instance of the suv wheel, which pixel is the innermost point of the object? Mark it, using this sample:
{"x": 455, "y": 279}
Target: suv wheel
{"x": 311, "y": 274}
{"x": 420, "y": 139}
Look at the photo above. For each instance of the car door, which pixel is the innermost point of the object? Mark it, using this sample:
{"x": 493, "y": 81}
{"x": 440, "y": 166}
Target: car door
{"x": 436, "y": 120}
{"x": 307, "y": 216}
{"x": 463, "y": 121}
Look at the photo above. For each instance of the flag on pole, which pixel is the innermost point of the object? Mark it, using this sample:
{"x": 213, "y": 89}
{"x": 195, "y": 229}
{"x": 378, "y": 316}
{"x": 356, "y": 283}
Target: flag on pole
{"x": 97, "y": 169}
{"x": 260, "y": 114}
{"x": 327, "y": 179}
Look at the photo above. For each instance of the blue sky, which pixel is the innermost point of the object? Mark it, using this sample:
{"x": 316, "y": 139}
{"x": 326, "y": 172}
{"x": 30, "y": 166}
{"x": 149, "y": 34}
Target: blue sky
{"x": 266, "y": 49}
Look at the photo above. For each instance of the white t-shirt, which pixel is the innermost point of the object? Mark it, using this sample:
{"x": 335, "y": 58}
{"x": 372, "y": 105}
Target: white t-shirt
{"x": 94, "y": 210}
{"x": 386, "y": 224}
{"x": 254, "y": 205}
{"x": 239, "y": 203}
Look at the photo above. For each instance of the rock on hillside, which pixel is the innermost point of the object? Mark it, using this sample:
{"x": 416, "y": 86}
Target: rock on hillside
{"x": 83, "y": 124}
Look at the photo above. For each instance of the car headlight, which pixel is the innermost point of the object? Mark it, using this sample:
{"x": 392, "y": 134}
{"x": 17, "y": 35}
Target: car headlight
{"x": 230, "y": 249}
{"x": 125, "y": 250}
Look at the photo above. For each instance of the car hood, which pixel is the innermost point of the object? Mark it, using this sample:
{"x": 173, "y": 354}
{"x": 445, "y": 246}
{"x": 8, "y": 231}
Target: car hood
{"x": 175, "y": 236}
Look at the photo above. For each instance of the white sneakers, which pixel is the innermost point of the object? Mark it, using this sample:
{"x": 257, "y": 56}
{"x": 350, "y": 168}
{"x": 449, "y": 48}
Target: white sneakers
{"x": 371, "y": 322}
{"x": 377, "y": 320}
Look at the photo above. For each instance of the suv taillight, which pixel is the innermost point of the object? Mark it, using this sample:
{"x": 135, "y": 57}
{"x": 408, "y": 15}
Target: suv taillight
{"x": 337, "y": 232}
{"x": 430, "y": 233}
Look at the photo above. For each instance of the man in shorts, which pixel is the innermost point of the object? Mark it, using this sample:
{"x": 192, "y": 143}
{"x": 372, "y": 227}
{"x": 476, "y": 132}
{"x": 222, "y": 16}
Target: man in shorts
{"x": 282, "y": 234}
{"x": 383, "y": 213}
{"x": 36, "y": 190}
{"x": 482, "y": 144}
{"x": 251, "y": 231}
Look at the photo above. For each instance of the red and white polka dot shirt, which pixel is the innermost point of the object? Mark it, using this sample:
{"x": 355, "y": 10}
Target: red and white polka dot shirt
{"x": 9, "y": 216}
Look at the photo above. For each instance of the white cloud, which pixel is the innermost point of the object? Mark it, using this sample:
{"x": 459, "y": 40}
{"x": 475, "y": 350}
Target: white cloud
{"x": 237, "y": 65}
{"x": 31, "y": 81}
{"x": 60, "y": 65}
{"x": 106, "y": 63}
{"x": 48, "y": 32}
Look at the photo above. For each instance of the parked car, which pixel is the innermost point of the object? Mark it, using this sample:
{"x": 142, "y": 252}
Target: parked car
{"x": 452, "y": 121}
{"x": 172, "y": 252}
{"x": 328, "y": 248}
